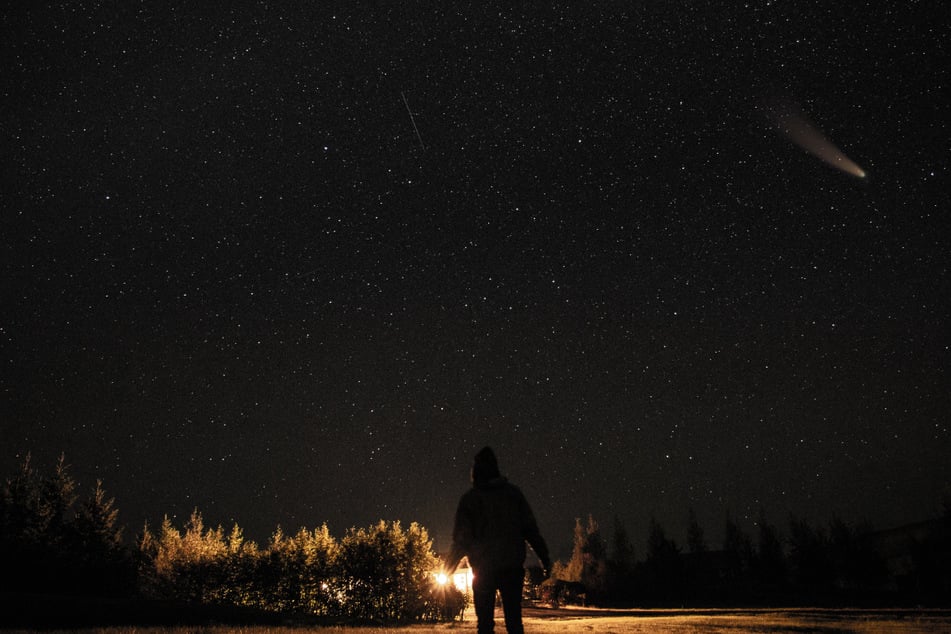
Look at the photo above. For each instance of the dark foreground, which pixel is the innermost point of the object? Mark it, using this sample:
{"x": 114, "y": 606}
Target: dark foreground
{"x": 41, "y": 613}
{"x": 735, "y": 620}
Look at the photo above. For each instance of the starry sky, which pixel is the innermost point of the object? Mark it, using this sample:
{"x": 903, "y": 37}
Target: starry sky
{"x": 293, "y": 263}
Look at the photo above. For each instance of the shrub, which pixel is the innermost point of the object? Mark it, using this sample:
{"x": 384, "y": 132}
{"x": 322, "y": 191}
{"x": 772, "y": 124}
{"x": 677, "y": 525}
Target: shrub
{"x": 386, "y": 573}
{"x": 381, "y": 573}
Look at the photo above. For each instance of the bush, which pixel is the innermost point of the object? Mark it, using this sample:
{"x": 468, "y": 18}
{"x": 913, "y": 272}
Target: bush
{"x": 386, "y": 573}
{"x": 381, "y": 573}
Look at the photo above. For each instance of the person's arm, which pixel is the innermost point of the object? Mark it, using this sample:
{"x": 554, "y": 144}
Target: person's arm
{"x": 537, "y": 542}
{"x": 534, "y": 537}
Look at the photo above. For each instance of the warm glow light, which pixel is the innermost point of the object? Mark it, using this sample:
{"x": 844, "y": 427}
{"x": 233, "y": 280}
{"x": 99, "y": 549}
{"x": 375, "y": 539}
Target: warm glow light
{"x": 462, "y": 579}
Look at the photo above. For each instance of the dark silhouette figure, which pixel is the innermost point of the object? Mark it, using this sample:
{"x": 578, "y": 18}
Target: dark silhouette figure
{"x": 493, "y": 522}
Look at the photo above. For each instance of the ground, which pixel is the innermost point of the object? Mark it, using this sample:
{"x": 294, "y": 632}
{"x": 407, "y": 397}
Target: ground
{"x": 545, "y": 621}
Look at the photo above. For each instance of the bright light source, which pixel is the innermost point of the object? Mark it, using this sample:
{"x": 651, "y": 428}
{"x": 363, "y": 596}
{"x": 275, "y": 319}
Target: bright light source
{"x": 441, "y": 578}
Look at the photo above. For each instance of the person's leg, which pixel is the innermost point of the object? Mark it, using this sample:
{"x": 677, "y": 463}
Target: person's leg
{"x": 483, "y": 598}
{"x": 510, "y": 587}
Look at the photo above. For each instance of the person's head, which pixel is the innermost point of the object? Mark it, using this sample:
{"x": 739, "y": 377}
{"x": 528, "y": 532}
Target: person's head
{"x": 485, "y": 467}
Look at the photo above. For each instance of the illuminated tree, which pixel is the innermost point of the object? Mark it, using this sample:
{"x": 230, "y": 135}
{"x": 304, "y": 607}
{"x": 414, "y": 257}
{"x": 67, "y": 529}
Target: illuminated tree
{"x": 187, "y": 565}
{"x": 386, "y": 572}
{"x": 594, "y": 570}
{"x": 319, "y": 581}
{"x": 300, "y": 572}
{"x": 383, "y": 573}
{"x": 588, "y": 565}
{"x": 239, "y": 570}
{"x": 588, "y": 555}
{"x": 572, "y": 570}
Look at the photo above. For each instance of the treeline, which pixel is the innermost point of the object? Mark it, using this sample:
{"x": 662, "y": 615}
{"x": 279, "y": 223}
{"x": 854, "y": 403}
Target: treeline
{"x": 53, "y": 541}
{"x": 381, "y": 573}
{"x": 835, "y": 564}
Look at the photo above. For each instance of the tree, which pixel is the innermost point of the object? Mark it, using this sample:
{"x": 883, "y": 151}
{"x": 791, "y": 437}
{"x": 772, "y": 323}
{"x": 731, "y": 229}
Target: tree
{"x": 240, "y": 571}
{"x": 301, "y": 571}
{"x": 57, "y": 496}
{"x": 49, "y": 544}
{"x": 696, "y": 543}
{"x": 188, "y": 565}
{"x": 588, "y": 564}
{"x": 386, "y": 573}
{"x": 104, "y": 563}
{"x": 622, "y": 548}
{"x": 571, "y": 571}
{"x": 663, "y": 566}
{"x": 36, "y": 508}
{"x": 594, "y": 571}
{"x": 811, "y": 566}
{"x": 738, "y": 554}
{"x": 97, "y": 522}
{"x": 857, "y": 567}
{"x": 695, "y": 563}
{"x": 769, "y": 566}
{"x": 321, "y": 554}
{"x": 621, "y": 564}
{"x": 381, "y": 573}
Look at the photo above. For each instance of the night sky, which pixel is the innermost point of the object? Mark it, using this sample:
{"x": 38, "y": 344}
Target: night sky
{"x": 291, "y": 263}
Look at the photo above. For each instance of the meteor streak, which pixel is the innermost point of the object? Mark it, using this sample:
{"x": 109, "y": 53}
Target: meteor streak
{"x": 413, "y": 121}
{"x": 792, "y": 122}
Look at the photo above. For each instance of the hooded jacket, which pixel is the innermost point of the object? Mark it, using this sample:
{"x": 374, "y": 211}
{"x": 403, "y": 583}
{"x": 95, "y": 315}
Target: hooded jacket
{"x": 493, "y": 522}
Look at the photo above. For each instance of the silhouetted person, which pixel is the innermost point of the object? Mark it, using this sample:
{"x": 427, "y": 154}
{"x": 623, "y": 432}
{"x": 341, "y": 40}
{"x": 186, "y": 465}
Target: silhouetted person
{"x": 493, "y": 522}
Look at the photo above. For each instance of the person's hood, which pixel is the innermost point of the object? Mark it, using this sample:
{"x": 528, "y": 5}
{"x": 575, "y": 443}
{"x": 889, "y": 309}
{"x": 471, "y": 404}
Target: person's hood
{"x": 485, "y": 467}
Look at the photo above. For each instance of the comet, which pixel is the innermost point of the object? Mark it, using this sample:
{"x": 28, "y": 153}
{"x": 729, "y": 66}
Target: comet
{"x": 793, "y": 122}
